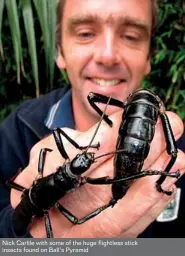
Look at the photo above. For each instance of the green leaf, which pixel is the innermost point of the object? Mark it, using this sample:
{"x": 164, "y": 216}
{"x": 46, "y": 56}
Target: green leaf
{"x": 51, "y": 28}
{"x": 175, "y": 77}
{"x": 42, "y": 12}
{"x": 1, "y": 18}
{"x": 30, "y": 33}
{"x": 180, "y": 59}
{"x": 179, "y": 27}
{"x": 46, "y": 10}
{"x": 169, "y": 92}
{"x": 160, "y": 56}
{"x": 12, "y": 11}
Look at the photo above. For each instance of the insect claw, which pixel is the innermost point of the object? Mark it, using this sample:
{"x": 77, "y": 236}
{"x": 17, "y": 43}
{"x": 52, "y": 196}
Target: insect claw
{"x": 161, "y": 190}
{"x": 176, "y": 174}
{"x": 98, "y": 145}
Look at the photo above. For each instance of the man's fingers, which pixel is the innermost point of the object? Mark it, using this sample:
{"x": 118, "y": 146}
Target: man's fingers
{"x": 149, "y": 217}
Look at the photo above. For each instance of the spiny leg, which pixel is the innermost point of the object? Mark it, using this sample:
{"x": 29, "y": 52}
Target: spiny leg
{"x": 57, "y": 132}
{"x": 94, "y": 98}
{"x": 107, "y": 180}
{"x": 171, "y": 150}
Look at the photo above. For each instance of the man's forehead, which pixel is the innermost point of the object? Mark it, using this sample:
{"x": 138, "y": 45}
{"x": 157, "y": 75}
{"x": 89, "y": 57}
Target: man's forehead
{"x": 107, "y": 7}
{"x": 110, "y": 19}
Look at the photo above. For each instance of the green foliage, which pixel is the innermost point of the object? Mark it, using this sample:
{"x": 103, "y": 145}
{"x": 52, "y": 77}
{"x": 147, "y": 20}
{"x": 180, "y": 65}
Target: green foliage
{"x": 167, "y": 78}
{"x": 27, "y": 53}
{"x": 27, "y": 11}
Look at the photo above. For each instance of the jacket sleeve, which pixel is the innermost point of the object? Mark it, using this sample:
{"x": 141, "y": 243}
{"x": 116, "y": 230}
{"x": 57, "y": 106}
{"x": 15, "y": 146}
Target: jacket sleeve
{"x": 181, "y": 142}
{"x": 11, "y": 159}
{"x": 18, "y": 133}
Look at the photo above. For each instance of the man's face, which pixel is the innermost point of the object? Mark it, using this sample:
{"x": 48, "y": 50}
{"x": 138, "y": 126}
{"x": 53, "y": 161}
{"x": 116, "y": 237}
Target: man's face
{"x": 105, "y": 48}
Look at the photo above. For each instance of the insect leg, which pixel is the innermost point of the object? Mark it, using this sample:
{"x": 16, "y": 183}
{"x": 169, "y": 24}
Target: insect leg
{"x": 58, "y": 140}
{"x": 94, "y": 98}
{"x": 48, "y": 227}
{"x": 107, "y": 180}
{"x": 113, "y": 201}
{"x": 47, "y": 221}
{"x": 171, "y": 150}
{"x": 12, "y": 184}
{"x": 42, "y": 158}
{"x": 75, "y": 220}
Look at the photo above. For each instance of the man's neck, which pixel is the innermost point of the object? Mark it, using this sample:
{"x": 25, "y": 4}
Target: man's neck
{"x": 83, "y": 121}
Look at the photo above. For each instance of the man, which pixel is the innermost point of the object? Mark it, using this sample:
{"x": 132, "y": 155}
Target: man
{"x": 105, "y": 48}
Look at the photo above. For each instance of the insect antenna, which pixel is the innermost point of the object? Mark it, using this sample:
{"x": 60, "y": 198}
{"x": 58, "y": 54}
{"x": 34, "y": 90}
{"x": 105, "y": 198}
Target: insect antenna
{"x": 110, "y": 153}
{"x": 97, "y": 128}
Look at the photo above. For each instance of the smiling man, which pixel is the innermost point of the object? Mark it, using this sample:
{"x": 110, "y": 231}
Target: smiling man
{"x": 104, "y": 45}
{"x": 106, "y": 52}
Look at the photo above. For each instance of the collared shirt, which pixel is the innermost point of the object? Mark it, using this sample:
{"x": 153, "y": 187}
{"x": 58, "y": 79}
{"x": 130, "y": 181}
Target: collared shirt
{"x": 61, "y": 113}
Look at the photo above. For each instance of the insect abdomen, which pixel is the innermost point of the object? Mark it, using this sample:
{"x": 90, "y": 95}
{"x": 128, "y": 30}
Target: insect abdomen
{"x": 135, "y": 135}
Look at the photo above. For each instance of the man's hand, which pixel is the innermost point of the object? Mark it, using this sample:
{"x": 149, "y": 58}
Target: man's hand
{"x": 132, "y": 214}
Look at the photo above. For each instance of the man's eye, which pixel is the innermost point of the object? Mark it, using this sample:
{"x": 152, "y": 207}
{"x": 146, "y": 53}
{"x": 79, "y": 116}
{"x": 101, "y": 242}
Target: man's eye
{"x": 85, "y": 35}
{"x": 130, "y": 38}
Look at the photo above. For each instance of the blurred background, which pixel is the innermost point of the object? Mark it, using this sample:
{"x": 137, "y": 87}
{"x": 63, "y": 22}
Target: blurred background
{"x": 27, "y": 54}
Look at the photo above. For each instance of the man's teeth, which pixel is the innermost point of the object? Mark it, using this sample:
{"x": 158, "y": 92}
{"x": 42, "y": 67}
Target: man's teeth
{"x": 106, "y": 82}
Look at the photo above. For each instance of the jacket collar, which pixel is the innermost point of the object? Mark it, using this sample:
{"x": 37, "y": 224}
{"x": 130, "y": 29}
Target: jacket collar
{"x": 61, "y": 113}
{"x": 36, "y": 113}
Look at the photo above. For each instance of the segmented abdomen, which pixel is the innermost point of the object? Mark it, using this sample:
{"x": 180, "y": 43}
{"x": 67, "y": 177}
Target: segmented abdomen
{"x": 135, "y": 135}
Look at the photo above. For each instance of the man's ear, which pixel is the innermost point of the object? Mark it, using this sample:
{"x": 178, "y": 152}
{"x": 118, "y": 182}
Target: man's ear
{"x": 148, "y": 66}
{"x": 60, "y": 61}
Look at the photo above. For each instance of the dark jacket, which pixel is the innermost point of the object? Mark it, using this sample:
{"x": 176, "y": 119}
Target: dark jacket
{"x": 23, "y": 129}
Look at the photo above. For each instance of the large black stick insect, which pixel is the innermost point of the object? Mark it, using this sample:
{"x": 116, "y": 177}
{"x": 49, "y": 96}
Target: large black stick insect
{"x": 141, "y": 111}
{"x": 46, "y": 191}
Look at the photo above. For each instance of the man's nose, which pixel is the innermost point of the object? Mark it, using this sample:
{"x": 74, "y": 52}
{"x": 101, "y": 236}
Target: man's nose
{"x": 107, "y": 51}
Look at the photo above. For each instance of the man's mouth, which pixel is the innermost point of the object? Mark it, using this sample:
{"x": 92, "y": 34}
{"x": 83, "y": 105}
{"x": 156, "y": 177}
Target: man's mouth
{"x": 103, "y": 82}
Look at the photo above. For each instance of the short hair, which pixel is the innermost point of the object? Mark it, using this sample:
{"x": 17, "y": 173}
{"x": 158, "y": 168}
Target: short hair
{"x": 60, "y": 9}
